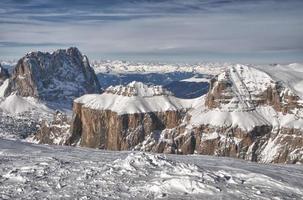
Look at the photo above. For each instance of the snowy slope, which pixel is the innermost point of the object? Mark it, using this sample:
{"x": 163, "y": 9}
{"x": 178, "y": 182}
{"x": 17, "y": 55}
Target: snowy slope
{"x": 15, "y": 104}
{"x": 291, "y": 75}
{"x": 30, "y": 171}
{"x": 135, "y": 98}
{"x": 246, "y": 84}
{"x": 20, "y": 116}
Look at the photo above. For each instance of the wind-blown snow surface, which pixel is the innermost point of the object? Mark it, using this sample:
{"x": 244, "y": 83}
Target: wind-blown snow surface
{"x": 29, "y": 171}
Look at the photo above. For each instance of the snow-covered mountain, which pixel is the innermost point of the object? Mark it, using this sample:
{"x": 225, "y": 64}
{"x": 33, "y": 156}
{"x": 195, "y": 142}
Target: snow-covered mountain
{"x": 118, "y": 66}
{"x": 124, "y": 115}
{"x": 61, "y": 75}
{"x": 41, "y": 83}
{"x": 135, "y": 97}
{"x": 246, "y": 114}
{"x": 249, "y": 114}
{"x": 29, "y": 171}
{"x": 245, "y": 111}
{"x": 113, "y": 73}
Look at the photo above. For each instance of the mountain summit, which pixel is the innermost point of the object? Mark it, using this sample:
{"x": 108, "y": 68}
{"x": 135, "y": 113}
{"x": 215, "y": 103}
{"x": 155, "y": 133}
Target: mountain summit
{"x": 61, "y": 75}
{"x": 246, "y": 114}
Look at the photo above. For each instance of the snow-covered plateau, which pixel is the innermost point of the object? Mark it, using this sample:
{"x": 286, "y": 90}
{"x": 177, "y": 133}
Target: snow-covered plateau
{"x": 29, "y": 171}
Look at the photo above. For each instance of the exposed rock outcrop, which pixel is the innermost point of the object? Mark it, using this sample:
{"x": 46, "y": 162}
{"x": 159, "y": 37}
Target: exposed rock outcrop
{"x": 61, "y": 75}
{"x": 246, "y": 114}
{"x": 108, "y": 130}
{"x": 245, "y": 88}
{"x": 55, "y": 132}
{"x": 249, "y": 115}
{"x": 140, "y": 110}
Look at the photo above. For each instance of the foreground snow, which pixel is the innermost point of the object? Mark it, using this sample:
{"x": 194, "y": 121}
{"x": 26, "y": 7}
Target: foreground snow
{"x": 30, "y": 171}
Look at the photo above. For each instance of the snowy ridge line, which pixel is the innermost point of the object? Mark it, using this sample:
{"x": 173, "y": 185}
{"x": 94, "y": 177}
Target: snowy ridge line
{"x": 138, "y": 89}
{"x": 137, "y": 98}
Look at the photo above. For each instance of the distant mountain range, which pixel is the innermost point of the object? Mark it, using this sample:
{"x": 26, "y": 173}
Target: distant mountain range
{"x": 242, "y": 111}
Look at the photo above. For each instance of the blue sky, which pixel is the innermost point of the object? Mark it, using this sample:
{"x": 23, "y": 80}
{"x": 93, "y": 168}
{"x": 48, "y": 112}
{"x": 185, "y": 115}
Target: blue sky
{"x": 259, "y": 31}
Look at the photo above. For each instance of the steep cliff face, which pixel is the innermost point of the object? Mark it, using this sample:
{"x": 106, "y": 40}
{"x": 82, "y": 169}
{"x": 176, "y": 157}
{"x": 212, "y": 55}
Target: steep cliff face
{"x": 61, "y": 75}
{"x": 124, "y": 116}
{"x": 106, "y": 129}
{"x": 246, "y": 114}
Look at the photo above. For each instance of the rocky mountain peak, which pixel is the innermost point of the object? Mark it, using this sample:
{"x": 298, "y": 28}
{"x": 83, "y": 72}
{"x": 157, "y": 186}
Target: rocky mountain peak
{"x": 243, "y": 88}
{"x": 246, "y": 114}
{"x": 138, "y": 89}
{"x": 60, "y": 75}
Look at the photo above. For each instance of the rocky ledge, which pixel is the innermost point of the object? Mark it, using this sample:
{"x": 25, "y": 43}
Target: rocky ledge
{"x": 55, "y": 132}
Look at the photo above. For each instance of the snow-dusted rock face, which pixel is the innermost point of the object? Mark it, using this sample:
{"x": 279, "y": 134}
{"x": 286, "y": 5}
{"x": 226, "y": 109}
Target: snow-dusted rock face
{"x": 55, "y": 132}
{"x": 123, "y": 116}
{"x": 246, "y": 114}
{"x": 243, "y": 88}
{"x": 138, "y": 89}
{"x": 3, "y": 74}
{"x": 61, "y": 75}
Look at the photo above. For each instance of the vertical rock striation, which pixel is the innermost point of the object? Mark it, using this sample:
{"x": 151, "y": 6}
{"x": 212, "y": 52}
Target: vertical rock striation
{"x": 246, "y": 114}
{"x": 61, "y": 75}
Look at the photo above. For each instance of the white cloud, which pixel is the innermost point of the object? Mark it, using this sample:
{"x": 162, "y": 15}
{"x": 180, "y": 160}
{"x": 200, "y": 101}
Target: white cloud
{"x": 236, "y": 28}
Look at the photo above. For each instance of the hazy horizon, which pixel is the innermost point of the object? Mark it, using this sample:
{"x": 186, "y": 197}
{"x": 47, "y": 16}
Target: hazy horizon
{"x": 269, "y": 31}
